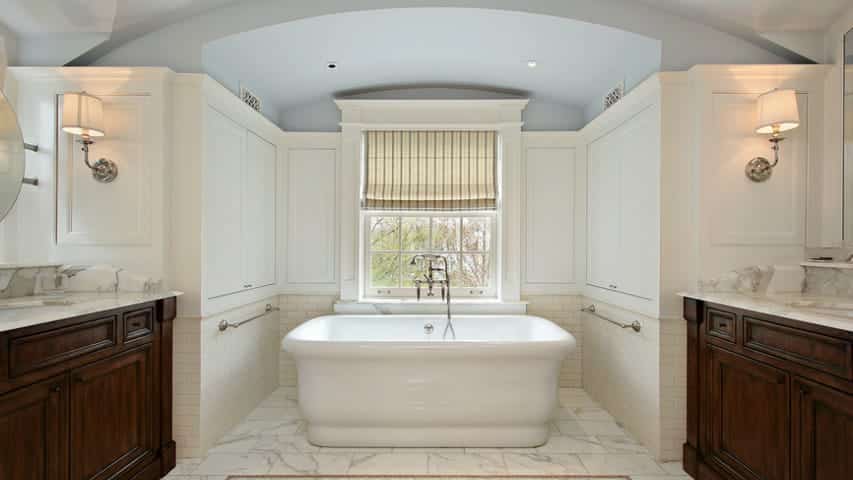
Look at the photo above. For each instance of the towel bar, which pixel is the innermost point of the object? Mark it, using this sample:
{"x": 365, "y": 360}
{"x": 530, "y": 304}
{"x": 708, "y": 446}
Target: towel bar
{"x": 225, "y": 325}
{"x": 635, "y": 325}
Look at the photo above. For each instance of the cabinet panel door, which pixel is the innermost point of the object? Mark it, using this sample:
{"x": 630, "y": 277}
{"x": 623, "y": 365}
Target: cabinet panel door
{"x": 112, "y": 414}
{"x": 747, "y": 408}
{"x": 822, "y": 432}
{"x": 639, "y": 144}
{"x": 603, "y": 195}
{"x": 33, "y": 432}
{"x": 259, "y": 212}
{"x": 225, "y": 151}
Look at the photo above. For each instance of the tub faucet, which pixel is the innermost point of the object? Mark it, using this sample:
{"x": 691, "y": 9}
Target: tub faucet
{"x": 430, "y": 280}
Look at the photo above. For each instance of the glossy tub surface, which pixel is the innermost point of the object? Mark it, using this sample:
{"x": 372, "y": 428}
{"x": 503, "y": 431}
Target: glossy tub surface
{"x": 382, "y": 381}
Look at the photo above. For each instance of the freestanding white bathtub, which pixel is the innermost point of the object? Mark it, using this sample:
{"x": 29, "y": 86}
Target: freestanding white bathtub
{"x": 382, "y": 381}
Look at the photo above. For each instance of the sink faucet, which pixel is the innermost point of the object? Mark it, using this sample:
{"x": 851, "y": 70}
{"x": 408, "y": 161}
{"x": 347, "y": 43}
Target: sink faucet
{"x": 430, "y": 280}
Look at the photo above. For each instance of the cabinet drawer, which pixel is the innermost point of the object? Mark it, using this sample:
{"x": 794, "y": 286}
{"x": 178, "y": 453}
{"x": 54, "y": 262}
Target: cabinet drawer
{"x": 40, "y": 350}
{"x": 138, "y": 324}
{"x": 722, "y": 324}
{"x": 827, "y": 354}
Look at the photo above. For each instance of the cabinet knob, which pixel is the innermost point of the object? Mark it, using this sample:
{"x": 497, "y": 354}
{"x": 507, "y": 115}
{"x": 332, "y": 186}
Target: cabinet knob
{"x": 56, "y": 388}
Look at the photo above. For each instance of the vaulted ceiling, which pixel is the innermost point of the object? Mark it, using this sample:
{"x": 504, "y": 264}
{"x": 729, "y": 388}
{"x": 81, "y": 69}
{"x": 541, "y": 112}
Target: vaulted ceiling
{"x": 103, "y": 25}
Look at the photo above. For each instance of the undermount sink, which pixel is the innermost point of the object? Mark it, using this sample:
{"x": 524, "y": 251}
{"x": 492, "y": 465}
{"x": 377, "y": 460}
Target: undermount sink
{"x": 13, "y": 303}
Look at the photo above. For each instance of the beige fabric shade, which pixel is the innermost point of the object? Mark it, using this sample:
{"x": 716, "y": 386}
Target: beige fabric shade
{"x": 430, "y": 170}
{"x": 777, "y": 112}
{"x": 82, "y": 114}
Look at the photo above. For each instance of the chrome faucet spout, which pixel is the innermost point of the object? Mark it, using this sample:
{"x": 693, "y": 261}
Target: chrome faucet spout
{"x": 430, "y": 280}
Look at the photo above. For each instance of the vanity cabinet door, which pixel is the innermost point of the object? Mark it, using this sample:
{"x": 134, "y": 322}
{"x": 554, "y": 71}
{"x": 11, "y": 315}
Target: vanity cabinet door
{"x": 822, "y": 432}
{"x": 33, "y": 432}
{"x": 111, "y": 416}
{"x": 747, "y": 415}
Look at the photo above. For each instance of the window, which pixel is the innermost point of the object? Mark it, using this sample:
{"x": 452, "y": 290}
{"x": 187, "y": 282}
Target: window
{"x": 392, "y": 240}
{"x": 429, "y": 192}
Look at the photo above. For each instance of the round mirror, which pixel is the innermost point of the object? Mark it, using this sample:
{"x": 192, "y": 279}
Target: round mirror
{"x": 11, "y": 157}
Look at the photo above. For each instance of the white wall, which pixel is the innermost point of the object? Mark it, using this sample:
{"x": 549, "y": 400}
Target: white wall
{"x": 71, "y": 218}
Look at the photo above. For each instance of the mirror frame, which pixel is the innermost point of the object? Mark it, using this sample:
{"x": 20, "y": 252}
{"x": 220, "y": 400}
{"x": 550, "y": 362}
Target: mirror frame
{"x": 846, "y": 155}
{"x": 5, "y": 212}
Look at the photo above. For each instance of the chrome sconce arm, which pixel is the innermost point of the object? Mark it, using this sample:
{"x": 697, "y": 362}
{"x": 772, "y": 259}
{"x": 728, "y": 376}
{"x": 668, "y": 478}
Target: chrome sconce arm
{"x": 103, "y": 170}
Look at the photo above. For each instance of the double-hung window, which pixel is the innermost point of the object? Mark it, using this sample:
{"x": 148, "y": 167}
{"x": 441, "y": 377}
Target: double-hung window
{"x": 429, "y": 192}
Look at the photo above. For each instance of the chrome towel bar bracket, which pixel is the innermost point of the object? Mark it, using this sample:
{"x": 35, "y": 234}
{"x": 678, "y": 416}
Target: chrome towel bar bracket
{"x": 635, "y": 325}
{"x": 225, "y": 325}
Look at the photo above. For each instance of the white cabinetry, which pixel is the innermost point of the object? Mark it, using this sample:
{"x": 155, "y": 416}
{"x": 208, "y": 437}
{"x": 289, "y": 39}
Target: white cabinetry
{"x": 239, "y": 217}
{"x": 224, "y": 200}
{"x": 624, "y": 166}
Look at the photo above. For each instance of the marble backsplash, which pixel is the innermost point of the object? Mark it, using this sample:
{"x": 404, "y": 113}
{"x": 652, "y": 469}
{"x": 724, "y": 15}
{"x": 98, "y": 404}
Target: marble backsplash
{"x": 829, "y": 282}
{"x": 28, "y": 280}
{"x": 777, "y": 279}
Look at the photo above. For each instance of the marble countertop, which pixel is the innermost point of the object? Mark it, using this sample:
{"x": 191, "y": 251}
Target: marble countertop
{"x": 28, "y": 311}
{"x": 833, "y": 312}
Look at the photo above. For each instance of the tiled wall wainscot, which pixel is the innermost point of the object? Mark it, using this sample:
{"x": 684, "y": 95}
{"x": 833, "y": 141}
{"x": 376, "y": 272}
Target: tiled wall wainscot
{"x": 219, "y": 377}
{"x": 296, "y": 309}
{"x": 564, "y": 310}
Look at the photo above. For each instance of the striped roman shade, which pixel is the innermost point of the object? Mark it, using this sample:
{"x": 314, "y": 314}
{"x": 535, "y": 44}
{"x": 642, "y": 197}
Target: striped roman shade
{"x": 430, "y": 170}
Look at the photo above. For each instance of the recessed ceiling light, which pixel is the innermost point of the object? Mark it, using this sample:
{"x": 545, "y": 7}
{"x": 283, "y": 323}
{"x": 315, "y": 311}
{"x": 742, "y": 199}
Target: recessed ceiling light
{"x": 332, "y": 65}
{"x": 531, "y": 63}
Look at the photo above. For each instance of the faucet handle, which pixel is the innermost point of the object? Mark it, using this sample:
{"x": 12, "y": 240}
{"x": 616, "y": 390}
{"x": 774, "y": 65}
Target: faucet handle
{"x": 418, "y": 289}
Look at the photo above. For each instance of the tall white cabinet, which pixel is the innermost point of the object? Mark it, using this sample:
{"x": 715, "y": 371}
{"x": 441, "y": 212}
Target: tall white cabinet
{"x": 628, "y": 204}
{"x": 624, "y": 166}
{"x": 239, "y": 207}
{"x": 224, "y": 206}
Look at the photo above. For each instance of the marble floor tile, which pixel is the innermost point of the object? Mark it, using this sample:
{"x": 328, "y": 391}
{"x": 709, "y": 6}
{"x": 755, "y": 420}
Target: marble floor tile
{"x": 271, "y": 441}
{"x": 673, "y": 468}
{"x": 389, "y": 464}
{"x": 283, "y": 444}
{"x": 234, "y": 464}
{"x": 594, "y": 427}
{"x": 620, "y": 464}
{"x": 466, "y": 464}
{"x": 621, "y": 444}
{"x": 572, "y": 444}
{"x": 591, "y": 413}
{"x": 311, "y": 464}
{"x": 543, "y": 464}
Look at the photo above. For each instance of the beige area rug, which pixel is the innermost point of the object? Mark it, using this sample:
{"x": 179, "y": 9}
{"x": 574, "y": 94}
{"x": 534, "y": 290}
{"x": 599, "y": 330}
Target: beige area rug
{"x": 428, "y": 477}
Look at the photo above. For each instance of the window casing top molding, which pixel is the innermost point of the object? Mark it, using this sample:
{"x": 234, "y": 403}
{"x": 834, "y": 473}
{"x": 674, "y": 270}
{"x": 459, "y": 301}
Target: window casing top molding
{"x": 431, "y": 114}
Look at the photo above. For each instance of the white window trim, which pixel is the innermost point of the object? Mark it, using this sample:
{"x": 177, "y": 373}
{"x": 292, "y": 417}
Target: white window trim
{"x": 501, "y": 115}
{"x": 407, "y": 293}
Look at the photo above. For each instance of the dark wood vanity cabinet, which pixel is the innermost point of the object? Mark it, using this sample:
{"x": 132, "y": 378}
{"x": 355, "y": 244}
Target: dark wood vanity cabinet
{"x": 768, "y": 398}
{"x": 89, "y": 398}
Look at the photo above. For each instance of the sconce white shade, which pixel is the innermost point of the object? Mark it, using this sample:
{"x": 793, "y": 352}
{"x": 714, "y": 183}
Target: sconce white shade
{"x": 82, "y": 114}
{"x": 777, "y": 112}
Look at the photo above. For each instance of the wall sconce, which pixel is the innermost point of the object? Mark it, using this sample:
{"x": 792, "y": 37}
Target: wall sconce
{"x": 777, "y": 113}
{"x": 83, "y": 116}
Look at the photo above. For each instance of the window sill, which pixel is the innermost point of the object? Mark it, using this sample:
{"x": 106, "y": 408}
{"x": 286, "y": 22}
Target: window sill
{"x": 386, "y": 306}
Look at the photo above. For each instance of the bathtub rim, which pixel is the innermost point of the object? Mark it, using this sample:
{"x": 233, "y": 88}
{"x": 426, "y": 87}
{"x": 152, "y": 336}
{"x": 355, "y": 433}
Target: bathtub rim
{"x": 315, "y": 348}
